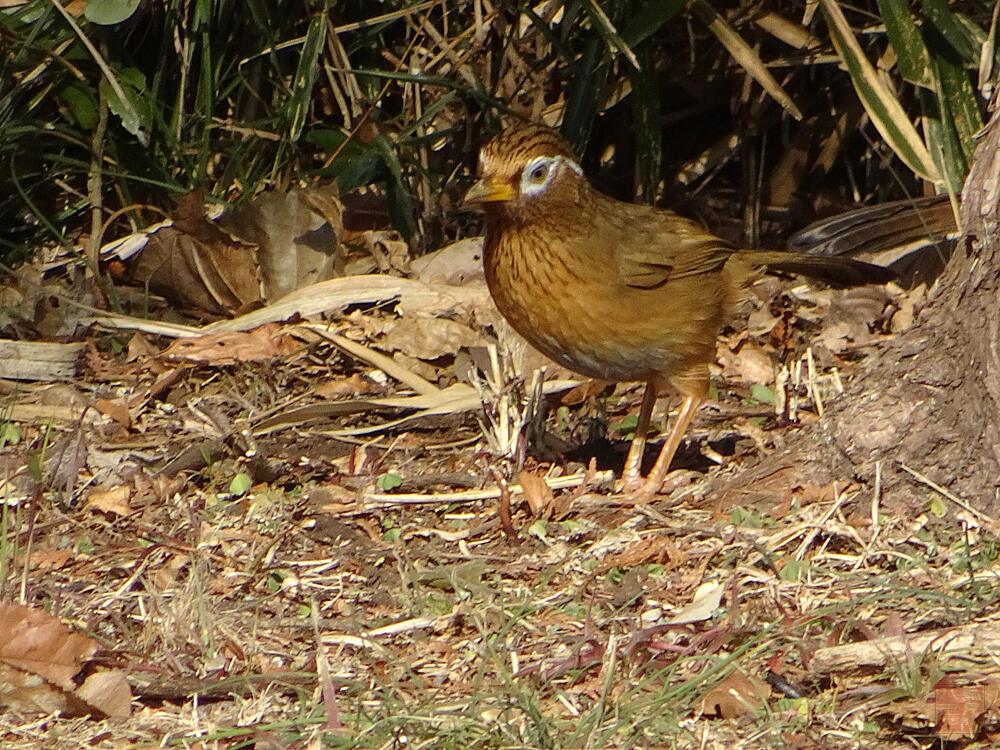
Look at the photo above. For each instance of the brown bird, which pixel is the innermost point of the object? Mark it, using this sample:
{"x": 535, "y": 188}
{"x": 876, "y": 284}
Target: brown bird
{"x": 613, "y": 290}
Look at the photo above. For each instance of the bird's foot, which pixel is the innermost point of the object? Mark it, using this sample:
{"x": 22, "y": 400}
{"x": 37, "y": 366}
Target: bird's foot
{"x": 630, "y": 483}
{"x": 637, "y": 489}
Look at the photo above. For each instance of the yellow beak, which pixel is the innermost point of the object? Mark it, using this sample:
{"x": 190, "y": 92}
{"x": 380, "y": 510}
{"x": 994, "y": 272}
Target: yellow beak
{"x": 487, "y": 191}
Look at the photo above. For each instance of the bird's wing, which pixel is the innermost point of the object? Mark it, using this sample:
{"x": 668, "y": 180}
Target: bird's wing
{"x": 664, "y": 247}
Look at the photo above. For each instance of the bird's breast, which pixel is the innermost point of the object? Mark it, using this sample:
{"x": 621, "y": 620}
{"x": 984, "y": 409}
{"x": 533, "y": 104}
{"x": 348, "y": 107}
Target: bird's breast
{"x": 566, "y": 297}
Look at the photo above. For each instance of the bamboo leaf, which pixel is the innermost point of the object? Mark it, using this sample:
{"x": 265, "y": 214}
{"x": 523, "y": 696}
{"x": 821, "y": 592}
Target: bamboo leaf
{"x": 607, "y": 31}
{"x": 305, "y": 76}
{"x": 589, "y": 77}
{"x": 940, "y": 17}
{"x": 908, "y": 44}
{"x": 744, "y": 55}
{"x": 649, "y": 133}
{"x": 880, "y": 103}
{"x": 954, "y": 90}
{"x": 943, "y": 139}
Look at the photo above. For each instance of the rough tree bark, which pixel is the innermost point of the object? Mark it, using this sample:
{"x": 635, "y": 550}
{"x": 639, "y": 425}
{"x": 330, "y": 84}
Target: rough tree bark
{"x": 929, "y": 399}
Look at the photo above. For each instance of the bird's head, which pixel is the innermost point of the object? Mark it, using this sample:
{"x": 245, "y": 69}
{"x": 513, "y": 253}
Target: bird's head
{"x": 524, "y": 169}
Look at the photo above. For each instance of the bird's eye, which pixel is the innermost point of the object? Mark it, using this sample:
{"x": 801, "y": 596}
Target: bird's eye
{"x": 539, "y": 173}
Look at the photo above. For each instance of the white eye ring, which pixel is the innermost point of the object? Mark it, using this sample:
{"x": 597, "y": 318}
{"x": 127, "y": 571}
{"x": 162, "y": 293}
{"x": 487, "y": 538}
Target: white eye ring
{"x": 538, "y": 173}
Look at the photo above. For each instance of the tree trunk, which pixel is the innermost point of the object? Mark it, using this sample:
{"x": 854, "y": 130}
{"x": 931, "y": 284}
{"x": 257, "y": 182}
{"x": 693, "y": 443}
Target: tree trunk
{"x": 928, "y": 400}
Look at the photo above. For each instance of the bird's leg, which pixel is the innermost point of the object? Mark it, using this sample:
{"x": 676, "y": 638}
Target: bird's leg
{"x": 655, "y": 478}
{"x": 632, "y": 473}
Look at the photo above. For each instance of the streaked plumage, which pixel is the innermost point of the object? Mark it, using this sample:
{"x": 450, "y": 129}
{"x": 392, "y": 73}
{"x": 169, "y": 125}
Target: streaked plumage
{"x": 615, "y": 290}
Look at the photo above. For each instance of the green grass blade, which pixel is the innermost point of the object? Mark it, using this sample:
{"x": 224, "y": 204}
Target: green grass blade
{"x": 585, "y": 91}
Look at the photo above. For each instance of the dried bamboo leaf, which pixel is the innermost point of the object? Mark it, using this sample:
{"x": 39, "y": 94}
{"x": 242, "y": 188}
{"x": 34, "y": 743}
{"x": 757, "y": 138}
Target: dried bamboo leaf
{"x": 744, "y": 55}
{"x": 883, "y": 107}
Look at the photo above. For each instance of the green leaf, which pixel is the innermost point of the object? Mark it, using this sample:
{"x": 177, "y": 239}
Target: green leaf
{"x": 762, "y": 394}
{"x": 649, "y": 133}
{"x": 329, "y": 140}
{"x": 10, "y": 433}
{"x": 940, "y": 18}
{"x": 794, "y": 570}
{"x": 305, "y": 77}
{"x": 35, "y": 467}
{"x": 353, "y": 169}
{"x": 400, "y": 207}
{"x": 81, "y": 104}
{"x": 954, "y": 89}
{"x": 881, "y": 104}
{"x": 138, "y": 117}
{"x": 938, "y": 506}
{"x": 109, "y": 12}
{"x": 951, "y": 113}
{"x": 397, "y": 189}
{"x": 904, "y": 35}
{"x": 389, "y": 481}
{"x": 749, "y": 519}
{"x": 943, "y": 140}
{"x": 240, "y": 484}
{"x": 626, "y": 425}
{"x": 392, "y": 535}
{"x": 585, "y": 94}
{"x": 538, "y": 528}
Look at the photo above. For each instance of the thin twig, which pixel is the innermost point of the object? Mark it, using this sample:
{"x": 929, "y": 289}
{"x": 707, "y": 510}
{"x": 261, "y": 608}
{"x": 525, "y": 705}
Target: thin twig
{"x": 601, "y": 478}
{"x": 945, "y": 493}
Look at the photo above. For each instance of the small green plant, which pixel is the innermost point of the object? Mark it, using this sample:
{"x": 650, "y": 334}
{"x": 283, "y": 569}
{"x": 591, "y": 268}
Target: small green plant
{"x": 240, "y": 485}
{"x": 389, "y": 481}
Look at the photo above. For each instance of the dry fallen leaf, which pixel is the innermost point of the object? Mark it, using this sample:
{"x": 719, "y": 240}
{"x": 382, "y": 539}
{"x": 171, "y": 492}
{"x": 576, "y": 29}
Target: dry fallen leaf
{"x": 456, "y": 264}
{"x": 909, "y": 307}
{"x": 390, "y": 252}
{"x": 117, "y": 410}
{"x": 260, "y": 250}
{"x": 430, "y": 338}
{"x": 261, "y": 343}
{"x": 39, "y": 656}
{"x": 705, "y": 601}
{"x": 196, "y": 264}
{"x": 297, "y": 235}
{"x": 957, "y": 708}
{"x": 39, "y": 643}
{"x": 735, "y": 696}
{"x": 107, "y": 691}
{"x": 110, "y": 501}
{"x": 753, "y": 364}
{"x": 536, "y": 492}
